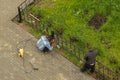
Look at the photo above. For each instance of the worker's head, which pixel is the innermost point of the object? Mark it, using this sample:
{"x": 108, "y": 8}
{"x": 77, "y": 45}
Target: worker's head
{"x": 90, "y": 48}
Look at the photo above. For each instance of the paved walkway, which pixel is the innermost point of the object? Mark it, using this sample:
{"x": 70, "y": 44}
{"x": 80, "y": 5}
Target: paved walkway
{"x": 51, "y": 66}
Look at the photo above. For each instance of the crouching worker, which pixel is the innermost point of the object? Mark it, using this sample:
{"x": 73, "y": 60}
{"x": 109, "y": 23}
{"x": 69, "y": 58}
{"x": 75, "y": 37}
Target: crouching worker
{"x": 44, "y": 45}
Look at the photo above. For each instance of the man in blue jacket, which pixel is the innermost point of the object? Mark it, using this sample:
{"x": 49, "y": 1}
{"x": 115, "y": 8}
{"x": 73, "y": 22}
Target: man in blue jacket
{"x": 46, "y": 43}
{"x": 43, "y": 44}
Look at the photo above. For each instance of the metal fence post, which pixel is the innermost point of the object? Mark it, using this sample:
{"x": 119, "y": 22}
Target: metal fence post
{"x": 19, "y": 15}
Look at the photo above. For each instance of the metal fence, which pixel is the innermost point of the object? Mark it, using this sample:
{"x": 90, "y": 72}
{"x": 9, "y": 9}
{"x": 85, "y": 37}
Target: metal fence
{"x": 71, "y": 48}
{"x": 102, "y": 72}
{"x": 22, "y": 7}
{"x": 33, "y": 21}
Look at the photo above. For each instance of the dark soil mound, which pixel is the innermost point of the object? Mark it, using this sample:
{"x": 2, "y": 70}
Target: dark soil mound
{"x": 97, "y": 21}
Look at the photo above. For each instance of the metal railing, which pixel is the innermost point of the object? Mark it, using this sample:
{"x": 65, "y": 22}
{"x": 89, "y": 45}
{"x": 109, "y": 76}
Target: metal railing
{"x": 33, "y": 21}
{"x": 22, "y": 7}
{"x": 71, "y": 48}
{"x": 102, "y": 72}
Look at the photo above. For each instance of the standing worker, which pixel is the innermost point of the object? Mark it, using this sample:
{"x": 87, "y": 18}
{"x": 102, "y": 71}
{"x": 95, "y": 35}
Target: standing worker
{"x": 90, "y": 59}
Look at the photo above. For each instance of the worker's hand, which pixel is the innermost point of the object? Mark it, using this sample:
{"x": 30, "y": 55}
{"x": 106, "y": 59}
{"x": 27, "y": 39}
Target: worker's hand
{"x": 52, "y": 44}
{"x": 82, "y": 61}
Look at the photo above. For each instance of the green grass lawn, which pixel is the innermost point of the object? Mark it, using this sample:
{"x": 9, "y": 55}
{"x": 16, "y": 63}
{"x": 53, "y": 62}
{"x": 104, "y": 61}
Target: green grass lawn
{"x": 73, "y": 16}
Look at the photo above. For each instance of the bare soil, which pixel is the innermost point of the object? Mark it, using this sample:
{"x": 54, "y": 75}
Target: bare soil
{"x": 97, "y": 21}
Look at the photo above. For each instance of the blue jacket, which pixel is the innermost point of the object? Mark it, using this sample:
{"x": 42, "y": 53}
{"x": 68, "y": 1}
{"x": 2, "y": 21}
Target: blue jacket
{"x": 43, "y": 42}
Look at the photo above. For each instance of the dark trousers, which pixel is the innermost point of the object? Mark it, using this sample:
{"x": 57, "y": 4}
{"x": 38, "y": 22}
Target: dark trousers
{"x": 88, "y": 66}
{"x": 45, "y": 49}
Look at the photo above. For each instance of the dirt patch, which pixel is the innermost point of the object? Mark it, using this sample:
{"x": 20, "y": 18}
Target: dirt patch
{"x": 97, "y": 21}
